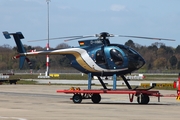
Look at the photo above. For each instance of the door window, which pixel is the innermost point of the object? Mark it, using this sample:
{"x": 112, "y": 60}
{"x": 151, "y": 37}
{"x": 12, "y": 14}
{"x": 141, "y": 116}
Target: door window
{"x": 116, "y": 57}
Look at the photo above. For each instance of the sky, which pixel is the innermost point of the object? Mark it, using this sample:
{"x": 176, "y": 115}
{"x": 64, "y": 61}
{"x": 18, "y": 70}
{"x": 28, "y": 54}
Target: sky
{"x": 150, "y": 18}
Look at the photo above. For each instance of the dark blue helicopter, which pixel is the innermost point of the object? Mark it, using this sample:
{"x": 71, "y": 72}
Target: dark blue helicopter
{"x": 95, "y": 57}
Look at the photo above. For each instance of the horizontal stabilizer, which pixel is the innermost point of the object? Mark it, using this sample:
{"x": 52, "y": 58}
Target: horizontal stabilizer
{"x": 6, "y": 35}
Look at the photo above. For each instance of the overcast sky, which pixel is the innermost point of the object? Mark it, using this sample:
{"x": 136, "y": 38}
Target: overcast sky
{"x": 151, "y": 18}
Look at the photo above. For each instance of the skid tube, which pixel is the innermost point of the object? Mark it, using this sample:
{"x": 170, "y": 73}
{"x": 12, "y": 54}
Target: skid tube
{"x": 94, "y": 95}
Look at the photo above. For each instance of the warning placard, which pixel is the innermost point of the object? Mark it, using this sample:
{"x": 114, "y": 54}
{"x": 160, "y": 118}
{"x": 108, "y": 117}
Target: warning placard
{"x": 163, "y": 84}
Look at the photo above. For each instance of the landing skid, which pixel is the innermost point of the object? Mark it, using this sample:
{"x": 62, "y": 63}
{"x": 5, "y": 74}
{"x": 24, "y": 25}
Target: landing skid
{"x": 126, "y": 82}
{"x": 129, "y": 86}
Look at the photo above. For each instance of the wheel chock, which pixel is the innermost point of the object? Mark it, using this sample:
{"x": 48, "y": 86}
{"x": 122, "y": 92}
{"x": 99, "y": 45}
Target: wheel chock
{"x": 178, "y": 98}
{"x": 72, "y": 88}
{"x": 78, "y": 88}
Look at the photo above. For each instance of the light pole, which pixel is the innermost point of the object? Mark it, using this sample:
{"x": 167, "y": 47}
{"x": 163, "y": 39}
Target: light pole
{"x": 47, "y": 46}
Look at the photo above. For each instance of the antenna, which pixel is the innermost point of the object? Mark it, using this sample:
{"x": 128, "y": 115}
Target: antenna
{"x": 47, "y": 46}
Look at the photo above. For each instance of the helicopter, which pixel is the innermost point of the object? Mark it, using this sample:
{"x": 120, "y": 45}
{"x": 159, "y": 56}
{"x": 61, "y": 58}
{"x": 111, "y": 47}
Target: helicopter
{"x": 95, "y": 57}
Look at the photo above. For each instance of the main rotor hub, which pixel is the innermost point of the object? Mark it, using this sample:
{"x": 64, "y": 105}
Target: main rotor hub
{"x": 104, "y": 35}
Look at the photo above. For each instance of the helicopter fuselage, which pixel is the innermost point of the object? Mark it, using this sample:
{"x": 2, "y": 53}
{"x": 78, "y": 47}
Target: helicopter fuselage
{"x": 101, "y": 60}
{"x": 96, "y": 56}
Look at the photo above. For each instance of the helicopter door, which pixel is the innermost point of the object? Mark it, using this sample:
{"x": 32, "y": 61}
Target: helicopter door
{"x": 113, "y": 57}
{"x": 100, "y": 57}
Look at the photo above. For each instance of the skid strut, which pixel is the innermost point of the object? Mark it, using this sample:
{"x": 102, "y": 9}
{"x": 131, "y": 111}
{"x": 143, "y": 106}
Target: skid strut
{"x": 89, "y": 80}
{"x": 102, "y": 83}
{"x": 114, "y": 81}
{"x": 126, "y": 82}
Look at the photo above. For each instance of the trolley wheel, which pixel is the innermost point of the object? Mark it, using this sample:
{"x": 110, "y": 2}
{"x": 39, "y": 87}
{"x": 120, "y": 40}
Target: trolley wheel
{"x": 77, "y": 98}
{"x": 96, "y": 98}
{"x": 143, "y": 99}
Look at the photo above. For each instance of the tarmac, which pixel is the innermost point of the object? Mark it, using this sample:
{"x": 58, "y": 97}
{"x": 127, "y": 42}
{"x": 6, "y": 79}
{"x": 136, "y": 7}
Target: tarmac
{"x": 41, "y": 102}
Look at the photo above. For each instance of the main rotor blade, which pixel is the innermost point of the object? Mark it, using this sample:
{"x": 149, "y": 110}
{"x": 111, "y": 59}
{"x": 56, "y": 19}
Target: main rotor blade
{"x": 78, "y": 38}
{"x": 70, "y": 38}
{"x": 55, "y": 38}
{"x": 146, "y": 37}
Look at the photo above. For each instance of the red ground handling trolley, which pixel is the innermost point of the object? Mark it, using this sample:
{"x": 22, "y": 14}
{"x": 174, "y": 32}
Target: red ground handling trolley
{"x": 143, "y": 95}
{"x": 94, "y": 95}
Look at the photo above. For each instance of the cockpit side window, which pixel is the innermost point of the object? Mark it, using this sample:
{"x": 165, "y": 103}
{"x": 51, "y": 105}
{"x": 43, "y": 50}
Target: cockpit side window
{"x": 128, "y": 51}
{"x": 124, "y": 49}
{"x": 100, "y": 57}
{"x": 116, "y": 56}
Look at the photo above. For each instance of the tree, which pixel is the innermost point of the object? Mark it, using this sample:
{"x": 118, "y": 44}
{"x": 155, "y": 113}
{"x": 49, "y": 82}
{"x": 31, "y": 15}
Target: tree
{"x": 149, "y": 66}
{"x": 173, "y": 61}
{"x": 161, "y": 52}
{"x": 158, "y": 44}
{"x": 178, "y": 65}
{"x": 177, "y": 50}
{"x": 29, "y": 48}
{"x": 64, "y": 62}
{"x": 152, "y": 47}
{"x": 62, "y": 45}
{"x": 130, "y": 43}
{"x": 160, "y": 63}
{"x": 3, "y": 66}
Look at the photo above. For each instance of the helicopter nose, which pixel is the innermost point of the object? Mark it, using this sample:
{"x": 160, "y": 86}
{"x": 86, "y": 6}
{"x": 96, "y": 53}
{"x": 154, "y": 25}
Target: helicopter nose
{"x": 140, "y": 62}
{"x": 136, "y": 62}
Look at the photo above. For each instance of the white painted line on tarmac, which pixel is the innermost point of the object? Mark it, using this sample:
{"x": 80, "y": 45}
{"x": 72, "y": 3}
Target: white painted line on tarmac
{"x": 13, "y": 118}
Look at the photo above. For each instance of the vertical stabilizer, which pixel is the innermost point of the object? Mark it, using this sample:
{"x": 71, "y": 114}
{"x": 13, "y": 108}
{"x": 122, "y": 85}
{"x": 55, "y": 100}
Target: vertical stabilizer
{"x": 17, "y": 37}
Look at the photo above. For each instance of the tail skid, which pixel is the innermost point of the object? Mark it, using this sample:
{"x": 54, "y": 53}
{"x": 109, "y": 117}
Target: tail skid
{"x": 17, "y": 37}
